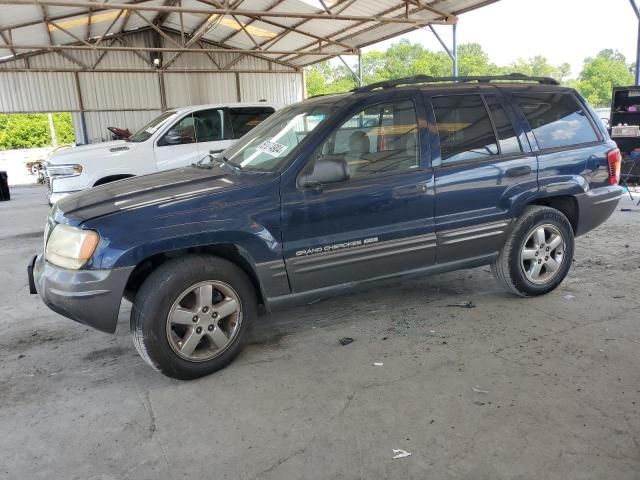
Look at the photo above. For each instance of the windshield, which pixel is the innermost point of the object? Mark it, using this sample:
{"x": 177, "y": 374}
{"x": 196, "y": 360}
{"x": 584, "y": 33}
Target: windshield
{"x": 267, "y": 147}
{"x": 150, "y": 128}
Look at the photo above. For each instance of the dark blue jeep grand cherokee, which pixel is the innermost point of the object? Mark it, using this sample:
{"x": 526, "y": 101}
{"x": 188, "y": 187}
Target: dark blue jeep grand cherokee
{"x": 413, "y": 176}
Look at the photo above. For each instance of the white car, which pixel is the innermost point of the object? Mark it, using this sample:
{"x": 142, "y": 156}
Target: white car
{"x": 177, "y": 138}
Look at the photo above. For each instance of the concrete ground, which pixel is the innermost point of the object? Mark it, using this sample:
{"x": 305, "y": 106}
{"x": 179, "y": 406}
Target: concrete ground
{"x": 515, "y": 388}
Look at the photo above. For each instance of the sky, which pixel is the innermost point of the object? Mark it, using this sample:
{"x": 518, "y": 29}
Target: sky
{"x": 561, "y": 30}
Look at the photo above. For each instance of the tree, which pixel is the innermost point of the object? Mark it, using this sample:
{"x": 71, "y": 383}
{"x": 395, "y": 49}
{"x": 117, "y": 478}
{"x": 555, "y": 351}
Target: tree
{"x": 473, "y": 60}
{"x": 600, "y": 74}
{"x": 403, "y": 59}
{"x": 32, "y": 130}
{"x": 538, "y": 66}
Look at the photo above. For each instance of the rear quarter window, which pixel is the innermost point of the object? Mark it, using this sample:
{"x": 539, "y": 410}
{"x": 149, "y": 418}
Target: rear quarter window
{"x": 556, "y": 119}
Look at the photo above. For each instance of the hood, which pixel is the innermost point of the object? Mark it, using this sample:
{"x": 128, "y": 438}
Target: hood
{"x": 155, "y": 189}
{"x": 89, "y": 151}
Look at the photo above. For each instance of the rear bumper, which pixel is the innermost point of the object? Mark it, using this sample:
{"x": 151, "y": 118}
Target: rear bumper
{"x": 91, "y": 297}
{"x": 596, "y": 206}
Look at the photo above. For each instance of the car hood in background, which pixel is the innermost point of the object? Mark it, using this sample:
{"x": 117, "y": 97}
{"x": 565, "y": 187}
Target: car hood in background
{"x": 93, "y": 150}
{"x": 158, "y": 188}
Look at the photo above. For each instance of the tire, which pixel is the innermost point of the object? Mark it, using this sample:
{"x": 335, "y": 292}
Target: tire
{"x": 163, "y": 318}
{"x": 516, "y": 266}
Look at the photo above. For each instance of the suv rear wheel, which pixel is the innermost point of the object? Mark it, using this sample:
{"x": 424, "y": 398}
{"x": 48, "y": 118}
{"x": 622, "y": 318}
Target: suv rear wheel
{"x": 192, "y": 315}
{"x": 538, "y": 252}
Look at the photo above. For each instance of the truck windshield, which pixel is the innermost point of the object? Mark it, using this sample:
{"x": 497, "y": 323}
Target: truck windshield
{"x": 150, "y": 128}
{"x": 268, "y": 146}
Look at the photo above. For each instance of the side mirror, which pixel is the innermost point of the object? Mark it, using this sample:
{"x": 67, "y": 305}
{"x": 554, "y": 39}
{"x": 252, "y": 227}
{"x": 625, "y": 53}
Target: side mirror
{"x": 172, "y": 137}
{"x": 330, "y": 169}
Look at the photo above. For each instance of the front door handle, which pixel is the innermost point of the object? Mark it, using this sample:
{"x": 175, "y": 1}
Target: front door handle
{"x": 411, "y": 190}
{"x": 518, "y": 171}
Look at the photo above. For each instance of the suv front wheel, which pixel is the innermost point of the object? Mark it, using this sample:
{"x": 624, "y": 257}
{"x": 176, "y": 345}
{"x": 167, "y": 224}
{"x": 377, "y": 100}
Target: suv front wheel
{"x": 192, "y": 315}
{"x": 537, "y": 254}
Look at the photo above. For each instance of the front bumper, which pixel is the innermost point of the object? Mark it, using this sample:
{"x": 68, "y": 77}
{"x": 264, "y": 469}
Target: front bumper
{"x": 596, "y": 206}
{"x": 91, "y": 297}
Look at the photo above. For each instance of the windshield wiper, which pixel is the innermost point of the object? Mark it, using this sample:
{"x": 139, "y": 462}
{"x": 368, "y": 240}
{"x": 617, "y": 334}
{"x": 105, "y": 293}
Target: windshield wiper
{"x": 222, "y": 160}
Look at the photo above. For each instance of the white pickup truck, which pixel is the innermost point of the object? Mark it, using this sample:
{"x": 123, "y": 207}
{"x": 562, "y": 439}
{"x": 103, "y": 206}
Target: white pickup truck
{"x": 176, "y": 138}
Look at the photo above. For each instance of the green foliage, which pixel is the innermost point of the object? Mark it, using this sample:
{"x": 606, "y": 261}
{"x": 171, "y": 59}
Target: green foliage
{"x": 600, "y": 74}
{"x": 32, "y": 130}
{"x": 538, "y": 66}
{"x": 63, "y": 126}
{"x": 404, "y": 58}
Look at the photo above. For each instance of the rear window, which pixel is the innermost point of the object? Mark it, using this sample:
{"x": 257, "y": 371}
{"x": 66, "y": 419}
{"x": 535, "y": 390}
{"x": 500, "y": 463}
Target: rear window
{"x": 556, "y": 119}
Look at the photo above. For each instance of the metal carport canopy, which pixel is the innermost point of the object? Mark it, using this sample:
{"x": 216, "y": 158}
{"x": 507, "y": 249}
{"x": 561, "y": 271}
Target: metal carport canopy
{"x": 290, "y": 33}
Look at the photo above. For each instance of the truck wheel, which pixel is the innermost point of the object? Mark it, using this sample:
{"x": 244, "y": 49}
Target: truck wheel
{"x": 537, "y": 254}
{"x": 192, "y": 316}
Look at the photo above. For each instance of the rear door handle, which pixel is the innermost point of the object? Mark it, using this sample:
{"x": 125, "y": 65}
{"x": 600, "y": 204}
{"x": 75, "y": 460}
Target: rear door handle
{"x": 518, "y": 171}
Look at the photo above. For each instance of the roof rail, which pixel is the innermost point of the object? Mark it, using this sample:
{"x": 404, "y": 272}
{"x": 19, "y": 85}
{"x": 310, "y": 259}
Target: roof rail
{"x": 480, "y": 79}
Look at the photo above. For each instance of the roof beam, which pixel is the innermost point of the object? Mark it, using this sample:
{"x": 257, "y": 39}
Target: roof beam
{"x": 225, "y": 11}
{"x": 223, "y": 49}
{"x": 85, "y": 46}
{"x": 161, "y": 17}
{"x": 54, "y": 18}
{"x": 7, "y": 41}
{"x": 136, "y": 70}
{"x": 157, "y": 29}
{"x": 62, "y": 29}
{"x": 451, "y": 19}
{"x": 106, "y": 32}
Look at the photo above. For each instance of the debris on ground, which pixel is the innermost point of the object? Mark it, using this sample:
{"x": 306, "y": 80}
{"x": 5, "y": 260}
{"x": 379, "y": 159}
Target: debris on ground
{"x": 378, "y": 364}
{"x": 477, "y": 389}
{"x": 346, "y": 340}
{"x": 479, "y": 403}
{"x": 398, "y": 453}
{"x": 569, "y": 297}
{"x": 468, "y": 304}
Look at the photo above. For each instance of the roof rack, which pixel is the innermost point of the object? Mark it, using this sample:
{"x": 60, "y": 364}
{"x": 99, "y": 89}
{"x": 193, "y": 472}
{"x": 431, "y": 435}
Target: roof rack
{"x": 480, "y": 79}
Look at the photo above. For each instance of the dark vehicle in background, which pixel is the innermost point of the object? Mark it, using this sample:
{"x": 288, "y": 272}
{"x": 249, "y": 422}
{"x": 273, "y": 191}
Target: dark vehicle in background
{"x": 625, "y": 129}
{"x": 409, "y": 177}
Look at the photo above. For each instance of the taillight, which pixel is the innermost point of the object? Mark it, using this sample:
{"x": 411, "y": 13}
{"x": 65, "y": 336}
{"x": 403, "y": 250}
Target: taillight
{"x": 615, "y": 164}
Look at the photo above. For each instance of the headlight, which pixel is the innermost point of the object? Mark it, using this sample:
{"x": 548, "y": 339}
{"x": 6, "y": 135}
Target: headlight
{"x": 63, "y": 170}
{"x": 70, "y": 247}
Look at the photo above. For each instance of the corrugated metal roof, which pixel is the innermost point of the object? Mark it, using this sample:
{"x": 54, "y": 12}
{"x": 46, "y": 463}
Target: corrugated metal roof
{"x": 299, "y": 31}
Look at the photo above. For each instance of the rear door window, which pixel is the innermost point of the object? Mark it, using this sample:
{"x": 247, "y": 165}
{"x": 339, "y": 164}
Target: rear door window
{"x": 556, "y": 119}
{"x": 509, "y": 143}
{"x": 465, "y": 129}
{"x": 245, "y": 119}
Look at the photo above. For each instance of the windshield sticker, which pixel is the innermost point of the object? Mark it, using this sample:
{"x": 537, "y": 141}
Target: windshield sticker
{"x": 271, "y": 148}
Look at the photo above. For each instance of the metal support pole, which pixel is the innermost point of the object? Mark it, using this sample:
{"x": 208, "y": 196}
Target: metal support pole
{"x": 162, "y": 91}
{"x": 360, "y": 80}
{"x": 52, "y": 130}
{"x": 455, "y": 51}
{"x": 636, "y": 10}
{"x": 638, "y": 55}
{"x": 83, "y": 122}
{"x": 357, "y": 78}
